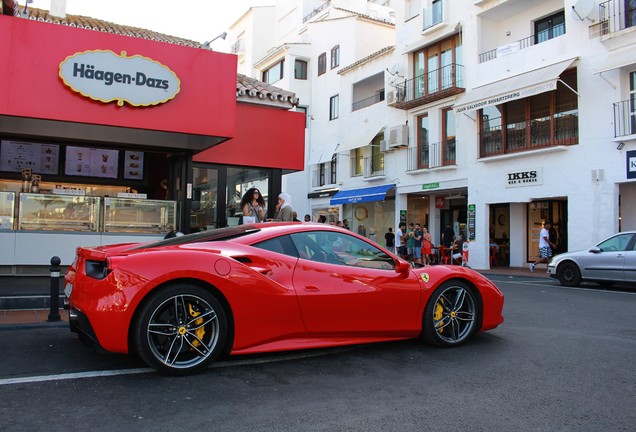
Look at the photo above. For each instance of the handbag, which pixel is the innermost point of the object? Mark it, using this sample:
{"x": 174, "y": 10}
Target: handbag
{"x": 249, "y": 219}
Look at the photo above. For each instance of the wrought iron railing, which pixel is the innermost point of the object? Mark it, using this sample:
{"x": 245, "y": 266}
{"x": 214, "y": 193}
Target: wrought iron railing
{"x": 436, "y": 81}
{"x": 625, "y": 118}
{"x": 616, "y": 15}
{"x": 433, "y": 155}
{"x": 524, "y": 43}
{"x": 316, "y": 11}
{"x": 373, "y": 166}
{"x": 357, "y": 166}
{"x": 363, "y": 103}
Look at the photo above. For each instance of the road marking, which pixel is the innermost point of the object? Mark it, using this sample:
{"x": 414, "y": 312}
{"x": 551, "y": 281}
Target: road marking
{"x": 556, "y": 285}
{"x": 229, "y": 363}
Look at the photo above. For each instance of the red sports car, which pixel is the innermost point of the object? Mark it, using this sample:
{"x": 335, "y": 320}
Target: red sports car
{"x": 183, "y": 302}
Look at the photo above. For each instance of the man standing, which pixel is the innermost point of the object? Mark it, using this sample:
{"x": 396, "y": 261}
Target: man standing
{"x": 399, "y": 240}
{"x": 389, "y": 239}
{"x": 448, "y": 236}
{"x": 545, "y": 245}
{"x": 417, "y": 243}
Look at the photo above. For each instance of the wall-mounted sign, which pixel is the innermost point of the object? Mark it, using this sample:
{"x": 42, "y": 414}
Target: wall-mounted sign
{"x": 134, "y": 165}
{"x": 440, "y": 201}
{"x": 429, "y": 186}
{"x": 17, "y": 155}
{"x": 532, "y": 177}
{"x": 631, "y": 164}
{"x": 88, "y": 162}
{"x": 106, "y": 77}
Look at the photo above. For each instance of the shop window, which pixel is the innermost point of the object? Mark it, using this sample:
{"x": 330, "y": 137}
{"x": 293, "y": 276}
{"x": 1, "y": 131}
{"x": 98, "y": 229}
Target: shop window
{"x": 274, "y": 73}
{"x": 300, "y": 69}
{"x": 322, "y": 63}
{"x": 335, "y": 56}
{"x": 334, "y": 107}
{"x": 549, "y": 27}
{"x": 239, "y": 180}
{"x": 356, "y": 162}
{"x": 543, "y": 120}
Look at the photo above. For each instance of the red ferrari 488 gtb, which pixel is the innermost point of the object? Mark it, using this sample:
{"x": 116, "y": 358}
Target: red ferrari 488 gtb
{"x": 183, "y": 302}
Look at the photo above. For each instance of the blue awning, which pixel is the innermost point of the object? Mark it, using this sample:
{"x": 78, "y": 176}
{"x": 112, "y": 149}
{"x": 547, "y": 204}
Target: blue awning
{"x": 369, "y": 194}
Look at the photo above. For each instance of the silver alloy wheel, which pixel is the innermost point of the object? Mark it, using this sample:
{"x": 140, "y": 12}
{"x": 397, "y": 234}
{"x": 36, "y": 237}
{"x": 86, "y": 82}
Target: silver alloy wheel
{"x": 183, "y": 331}
{"x": 454, "y": 314}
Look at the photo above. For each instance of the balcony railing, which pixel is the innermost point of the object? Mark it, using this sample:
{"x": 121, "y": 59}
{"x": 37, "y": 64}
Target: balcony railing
{"x": 433, "y": 155}
{"x": 373, "y": 166}
{"x": 363, "y": 103}
{"x": 625, "y": 118}
{"x": 432, "y": 86}
{"x": 239, "y": 46}
{"x": 616, "y": 15}
{"x": 524, "y": 43}
{"x": 562, "y": 129}
{"x": 316, "y": 11}
{"x": 357, "y": 167}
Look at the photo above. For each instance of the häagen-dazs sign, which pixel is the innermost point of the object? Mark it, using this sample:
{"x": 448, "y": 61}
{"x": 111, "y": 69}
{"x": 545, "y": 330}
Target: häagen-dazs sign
{"x": 105, "y": 76}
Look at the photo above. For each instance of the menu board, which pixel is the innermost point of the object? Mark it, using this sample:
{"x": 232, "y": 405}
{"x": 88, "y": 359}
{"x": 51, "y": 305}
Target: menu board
{"x": 134, "y": 165}
{"x": 90, "y": 162}
{"x": 41, "y": 158}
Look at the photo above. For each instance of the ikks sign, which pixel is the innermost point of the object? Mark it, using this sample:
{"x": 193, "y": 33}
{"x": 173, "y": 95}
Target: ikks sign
{"x": 105, "y": 76}
{"x": 525, "y": 178}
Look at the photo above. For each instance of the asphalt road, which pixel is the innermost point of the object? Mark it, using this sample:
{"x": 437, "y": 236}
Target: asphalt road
{"x": 562, "y": 361}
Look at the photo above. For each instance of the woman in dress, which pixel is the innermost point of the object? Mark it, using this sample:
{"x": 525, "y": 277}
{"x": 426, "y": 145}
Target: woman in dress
{"x": 253, "y": 204}
{"x": 427, "y": 246}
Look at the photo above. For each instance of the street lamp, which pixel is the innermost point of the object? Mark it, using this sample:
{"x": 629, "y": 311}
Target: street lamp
{"x": 221, "y": 36}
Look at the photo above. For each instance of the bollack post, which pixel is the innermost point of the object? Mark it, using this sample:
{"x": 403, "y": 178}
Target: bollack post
{"x": 54, "y": 314}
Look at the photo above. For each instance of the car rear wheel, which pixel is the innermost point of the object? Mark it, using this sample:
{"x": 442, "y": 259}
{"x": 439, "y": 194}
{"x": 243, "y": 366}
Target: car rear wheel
{"x": 451, "y": 315}
{"x": 181, "y": 329}
{"x": 569, "y": 274}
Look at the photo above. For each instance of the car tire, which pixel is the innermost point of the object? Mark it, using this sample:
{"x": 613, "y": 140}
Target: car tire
{"x": 451, "y": 315}
{"x": 569, "y": 274}
{"x": 180, "y": 329}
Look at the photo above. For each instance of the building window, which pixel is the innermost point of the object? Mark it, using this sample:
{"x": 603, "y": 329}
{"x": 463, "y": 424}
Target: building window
{"x": 377, "y": 157}
{"x": 449, "y": 137}
{"x": 549, "y": 28}
{"x": 434, "y": 14}
{"x": 437, "y": 68}
{"x": 322, "y": 63}
{"x": 334, "y": 108}
{"x": 274, "y": 73}
{"x": 422, "y": 142}
{"x": 335, "y": 56}
{"x": 544, "y": 120}
{"x": 333, "y": 168}
{"x": 632, "y": 102}
{"x": 300, "y": 69}
{"x": 356, "y": 162}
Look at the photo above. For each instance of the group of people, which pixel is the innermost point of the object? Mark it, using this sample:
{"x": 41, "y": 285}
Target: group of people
{"x": 253, "y": 207}
{"x": 416, "y": 244}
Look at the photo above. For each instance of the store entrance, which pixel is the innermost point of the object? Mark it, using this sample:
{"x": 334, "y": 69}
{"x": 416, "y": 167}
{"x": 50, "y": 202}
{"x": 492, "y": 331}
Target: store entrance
{"x": 539, "y": 212}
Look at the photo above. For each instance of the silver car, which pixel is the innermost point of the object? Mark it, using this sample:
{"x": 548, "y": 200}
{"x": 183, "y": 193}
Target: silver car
{"x": 612, "y": 260}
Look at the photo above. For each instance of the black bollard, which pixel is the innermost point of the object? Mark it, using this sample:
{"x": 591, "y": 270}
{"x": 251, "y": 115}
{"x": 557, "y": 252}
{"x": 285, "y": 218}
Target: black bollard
{"x": 54, "y": 314}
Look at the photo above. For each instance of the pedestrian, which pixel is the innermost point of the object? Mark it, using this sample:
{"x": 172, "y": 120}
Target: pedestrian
{"x": 389, "y": 240}
{"x": 284, "y": 210}
{"x": 409, "y": 241}
{"x": 307, "y": 218}
{"x": 322, "y": 219}
{"x": 448, "y": 236}
{"x": 253, "y": 206}
{"x": 427, "y": 246}
{"x": 458, "y": 249}
{"x": 345, "y": 224}
{"x": 545, "y": 245}
{"x": 400, "y": 238}
{"x": 295, "y": 217}
{"x": 417, "y": 243}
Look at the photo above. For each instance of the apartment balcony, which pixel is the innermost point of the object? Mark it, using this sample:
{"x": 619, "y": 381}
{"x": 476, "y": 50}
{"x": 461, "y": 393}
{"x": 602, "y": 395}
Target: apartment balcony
{"x": 431, "y": 156}
{"x": 616, "y": 15}
{"x": 238, "y": 47}
{"x": 624, "y": 118}
{"x": 316, "y": 11}
{"x": 433, "y": 86}
{"x": 366, "y": 102}
{"x": 521, "y": 44}
{"x": 368, "y": 167}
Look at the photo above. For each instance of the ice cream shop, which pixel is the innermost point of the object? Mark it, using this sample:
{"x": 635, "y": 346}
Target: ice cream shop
{"x": 110, "y": 134}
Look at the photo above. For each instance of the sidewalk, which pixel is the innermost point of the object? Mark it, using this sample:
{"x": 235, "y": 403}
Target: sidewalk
{"x": 39, "y": 317}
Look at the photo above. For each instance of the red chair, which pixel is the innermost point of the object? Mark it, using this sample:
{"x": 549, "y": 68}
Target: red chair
{"x": 493, "y": 256}
{"x": 445, "y": 254}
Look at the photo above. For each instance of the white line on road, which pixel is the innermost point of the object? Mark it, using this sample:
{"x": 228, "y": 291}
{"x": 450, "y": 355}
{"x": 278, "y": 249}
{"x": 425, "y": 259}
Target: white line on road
{"x": 77, "y": 375}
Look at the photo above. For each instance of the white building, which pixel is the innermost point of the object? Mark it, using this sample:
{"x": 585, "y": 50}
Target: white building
{"x": 489, "y": 115}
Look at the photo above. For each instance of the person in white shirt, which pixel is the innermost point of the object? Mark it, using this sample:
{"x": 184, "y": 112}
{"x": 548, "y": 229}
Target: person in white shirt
{"x": 400, "y": 247}
{"x": 545, "y": 245}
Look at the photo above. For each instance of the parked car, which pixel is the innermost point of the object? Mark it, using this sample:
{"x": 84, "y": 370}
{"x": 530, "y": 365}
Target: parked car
{"x": 610, "y": 261}
{"x": 183, "y": 302}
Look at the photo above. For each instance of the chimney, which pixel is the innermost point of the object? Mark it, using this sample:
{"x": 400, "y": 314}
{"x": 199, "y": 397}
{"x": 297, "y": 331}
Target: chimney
{"x": 58, "y": 8}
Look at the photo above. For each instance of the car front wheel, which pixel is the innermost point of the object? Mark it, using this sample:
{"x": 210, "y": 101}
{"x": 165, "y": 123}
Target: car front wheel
{"x": 451, "y": 315}
{"x": 181, "y": 329}
{"x": 569, "y": 274}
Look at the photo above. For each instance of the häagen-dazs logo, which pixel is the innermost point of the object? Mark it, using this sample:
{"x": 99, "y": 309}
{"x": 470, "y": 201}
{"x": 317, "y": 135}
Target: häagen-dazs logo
{"x": 105, "y": 76}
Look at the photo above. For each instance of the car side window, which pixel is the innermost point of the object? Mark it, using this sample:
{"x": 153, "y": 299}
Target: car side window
{"x": 340, "y": 249}
{"x": 619, "y": 242}
{"x": 282, "y": 245}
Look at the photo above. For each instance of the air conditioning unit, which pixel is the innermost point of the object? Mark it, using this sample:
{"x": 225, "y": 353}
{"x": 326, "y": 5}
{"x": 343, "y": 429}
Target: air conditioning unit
{"x": 384, "y": 146}
{"x": 399, "y": 136}
{"x": 391, "y": 97}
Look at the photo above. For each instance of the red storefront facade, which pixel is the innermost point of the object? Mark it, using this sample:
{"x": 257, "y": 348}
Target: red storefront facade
{"x": 134, "y": 164}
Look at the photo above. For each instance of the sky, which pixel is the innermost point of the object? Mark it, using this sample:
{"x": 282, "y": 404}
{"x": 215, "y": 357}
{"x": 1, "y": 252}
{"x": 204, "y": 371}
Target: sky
{"x": 197, "y": 20}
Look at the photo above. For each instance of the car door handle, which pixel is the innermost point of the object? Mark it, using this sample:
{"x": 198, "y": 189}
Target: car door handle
{"x": 311, "y": 288}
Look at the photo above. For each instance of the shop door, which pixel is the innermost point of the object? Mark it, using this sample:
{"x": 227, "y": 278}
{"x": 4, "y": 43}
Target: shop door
{"x": 205, "y": 198}
{"x": 180, "y": 188}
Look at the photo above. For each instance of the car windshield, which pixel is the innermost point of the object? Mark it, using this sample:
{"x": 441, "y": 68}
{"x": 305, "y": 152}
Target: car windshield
{"x": 219, "y": 234}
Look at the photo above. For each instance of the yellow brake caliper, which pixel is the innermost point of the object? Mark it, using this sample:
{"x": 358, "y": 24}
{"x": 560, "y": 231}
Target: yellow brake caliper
{"x": 200, "y": 331}
{"x": 437, "y": 316}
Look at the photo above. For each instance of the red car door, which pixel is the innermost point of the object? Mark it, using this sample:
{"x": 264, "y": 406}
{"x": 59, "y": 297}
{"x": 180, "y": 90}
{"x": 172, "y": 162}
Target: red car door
{"x": 347, "y": 286}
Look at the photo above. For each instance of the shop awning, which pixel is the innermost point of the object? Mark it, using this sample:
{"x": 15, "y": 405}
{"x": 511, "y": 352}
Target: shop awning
{"x": 617, "y": 59}
{"x": 369, "y": 194}
{"x": 516, "y": 87}
{"x": 359, "y": 138}
{"x": 322, "y": 154}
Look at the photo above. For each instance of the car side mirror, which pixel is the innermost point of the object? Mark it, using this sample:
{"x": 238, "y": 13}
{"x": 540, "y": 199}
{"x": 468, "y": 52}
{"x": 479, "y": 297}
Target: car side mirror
{"x": 596, "y": 249}
{"x": 402, "y": 266}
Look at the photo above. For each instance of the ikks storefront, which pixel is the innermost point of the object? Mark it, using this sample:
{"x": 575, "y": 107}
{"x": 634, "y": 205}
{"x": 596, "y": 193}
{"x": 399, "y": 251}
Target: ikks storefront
{"x": 106, "y": 138}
